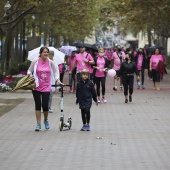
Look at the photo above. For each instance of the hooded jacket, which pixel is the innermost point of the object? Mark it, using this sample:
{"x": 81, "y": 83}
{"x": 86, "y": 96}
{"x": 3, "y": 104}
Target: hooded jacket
{"x": 84, "y": 93}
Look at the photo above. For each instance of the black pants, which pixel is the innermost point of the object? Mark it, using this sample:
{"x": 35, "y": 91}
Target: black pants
{"x": 128, "y": 82}
{"x": 61, "y": 77}
{"x": 142, "y": 74}
{"x": 101, "y": 80}
{"x": 41, "y": 99}
{"x": 78, "y": 77}
{"x": 155, "y": 76}
{"x": 85, "y": 114}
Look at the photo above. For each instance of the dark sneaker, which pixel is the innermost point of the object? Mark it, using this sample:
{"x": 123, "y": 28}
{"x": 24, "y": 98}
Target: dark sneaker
{"x": 38, "y": 127}
{"x": 47, "y": 126}
{"x": 83, "y": 128}
{"x": 143, "y": 87}
{"x": 130, "y": 98}
{"x": 115, "y": 88}
{"x": 126, "y": 100}
{"x": 88, "y": 128}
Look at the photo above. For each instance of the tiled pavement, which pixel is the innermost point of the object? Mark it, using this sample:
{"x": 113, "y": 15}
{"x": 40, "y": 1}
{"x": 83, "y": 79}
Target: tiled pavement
{"x": 134, "y": 136}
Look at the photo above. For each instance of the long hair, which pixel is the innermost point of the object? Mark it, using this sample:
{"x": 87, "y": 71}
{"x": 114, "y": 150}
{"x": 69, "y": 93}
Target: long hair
{"x": 42, "y": 49}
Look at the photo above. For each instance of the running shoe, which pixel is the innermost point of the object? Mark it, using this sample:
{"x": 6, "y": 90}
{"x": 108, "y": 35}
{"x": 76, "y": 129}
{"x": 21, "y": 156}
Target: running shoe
{"x": 143, "y": 87}
{"x": 115, "y": 88}
{"x": 104, "y": 100}
{"x": 74, "y": 90}
{"x": 88, "y": 128}
{"x": 130, "y": 98}
{"x": 50, "y": 111}
{"x": 126, "y": 100}
{"x": 98, "y": 100}
{"x": 138, "y": 84}
{"x": 121, "y": 87}
{"x": 46, "y": 123}
{"x": 83, "y": 128}
{"x": 71, "y": 91}
{"x": 154, "y": 88}
{"x": 38, "y": 127}
{"x": 157, "y": 88}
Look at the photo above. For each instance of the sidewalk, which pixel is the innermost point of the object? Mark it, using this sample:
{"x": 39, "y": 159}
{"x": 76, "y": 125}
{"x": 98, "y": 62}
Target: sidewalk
{"x": 133, "y": 136}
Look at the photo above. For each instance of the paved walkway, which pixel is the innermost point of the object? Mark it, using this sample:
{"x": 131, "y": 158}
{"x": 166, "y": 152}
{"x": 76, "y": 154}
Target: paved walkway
{"x": 133, "y": 136}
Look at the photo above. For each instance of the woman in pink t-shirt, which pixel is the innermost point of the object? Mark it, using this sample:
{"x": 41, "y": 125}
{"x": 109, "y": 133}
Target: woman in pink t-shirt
{"x": 140, "y": 61}
{"x": 72, "y": 74}
{"x": 100, "y": 69}
{"x": 45, "y": 74}
{"x": 154, "y": 61}
{"x": 118, "y": 58}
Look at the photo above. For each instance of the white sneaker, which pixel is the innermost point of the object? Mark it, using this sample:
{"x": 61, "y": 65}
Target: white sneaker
{"x": 104, "y": 100}
{"x": 50, "y": 111}
{"x": 121, "y": 87}
{"x": 98, "y": 100}
{"x": 143, "y": 87}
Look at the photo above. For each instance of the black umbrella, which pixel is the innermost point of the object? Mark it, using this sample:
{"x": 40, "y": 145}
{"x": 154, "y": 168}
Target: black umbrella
{"x": 94, "y": 48}
{"x": 155, "y": 47}
{"x": 78, "y": 44}
{"x": 87, "y": 45}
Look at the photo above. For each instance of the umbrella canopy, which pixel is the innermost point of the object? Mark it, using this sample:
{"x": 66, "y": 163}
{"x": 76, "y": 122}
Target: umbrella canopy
{"x": 155, "y": 47}
{"x": 78, "y": 44}
{"x": 67, "y": 50}
{"x": 26, "y": 83}
{"x": 94, "y": 48}
{"x": 58, "y": 55}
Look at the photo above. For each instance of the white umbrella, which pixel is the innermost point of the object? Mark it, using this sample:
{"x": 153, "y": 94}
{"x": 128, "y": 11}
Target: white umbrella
{"x": 67, "y": 50}
{"x": 58, "y": 55}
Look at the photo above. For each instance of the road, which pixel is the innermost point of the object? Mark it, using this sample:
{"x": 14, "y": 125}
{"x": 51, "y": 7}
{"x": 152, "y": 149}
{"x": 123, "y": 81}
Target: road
{"x": 133, "y": 136}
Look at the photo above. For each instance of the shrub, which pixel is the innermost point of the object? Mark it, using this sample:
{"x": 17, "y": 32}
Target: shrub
{"x": 24, "y": 66}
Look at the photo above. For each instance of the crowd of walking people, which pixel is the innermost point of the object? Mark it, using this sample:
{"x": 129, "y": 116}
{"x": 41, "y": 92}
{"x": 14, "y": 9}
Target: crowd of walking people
{"x": 87, "y": 71}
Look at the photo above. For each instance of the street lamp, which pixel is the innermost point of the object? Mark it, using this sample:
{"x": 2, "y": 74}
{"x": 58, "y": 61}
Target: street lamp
{"x": 33, "y": 26}
{"x": 7, "y": 51}
{"x": 7, "y": 7}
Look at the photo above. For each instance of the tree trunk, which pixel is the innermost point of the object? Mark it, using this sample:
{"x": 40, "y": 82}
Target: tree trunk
{"x": 149, "y": 36}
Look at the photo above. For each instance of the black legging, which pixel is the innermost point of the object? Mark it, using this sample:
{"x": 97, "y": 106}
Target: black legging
{"x": 155, "y": 76}
{"x": 128, "y": 83}
{"x": 142, "y": 74}
{"x": 61, "y": 77}
{"x": 41, "y": 99}
{"x": 85, "y": 114}
{"x": 103, "y": 81}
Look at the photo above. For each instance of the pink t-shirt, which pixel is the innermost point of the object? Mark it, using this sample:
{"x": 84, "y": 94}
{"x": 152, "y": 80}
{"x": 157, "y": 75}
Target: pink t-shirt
{"x": 155, "y": 60}
{"x": 116, "y": 59}
{"x": 100, "y": 64}
{"x": 71, "y": 61}
{"x": 79, "y": 58}
{"x": 139, "y": 62}
{"x": 44, "y": 73}
{"x": 60, "y": 67}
